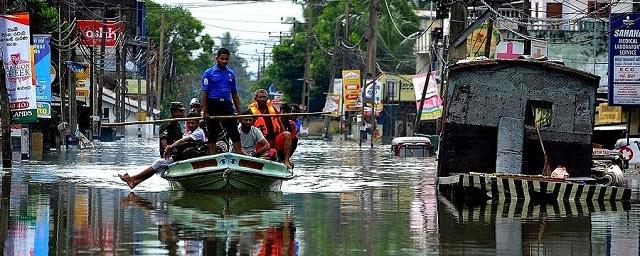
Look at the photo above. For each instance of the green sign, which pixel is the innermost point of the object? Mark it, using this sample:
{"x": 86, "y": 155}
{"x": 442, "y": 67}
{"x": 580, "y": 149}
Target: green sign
{"x": 24, "y": 116}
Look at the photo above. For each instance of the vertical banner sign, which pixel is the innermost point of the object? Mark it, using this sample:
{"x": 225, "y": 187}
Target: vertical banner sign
{"x": 42, "y": 64}
{"x": 15, "y": 49}
{"x": 432, "y": 103}
{"x": 42, "y": 57}
{"x": 624, "y": 59}
{"x": 351, "y": 86}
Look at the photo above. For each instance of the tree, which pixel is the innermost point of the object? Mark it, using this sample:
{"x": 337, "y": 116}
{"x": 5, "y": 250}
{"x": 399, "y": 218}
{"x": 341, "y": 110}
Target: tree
{"x": 184, "y": 37}
{"x": 239, "y": 66}
{"x": 395, "y": 52}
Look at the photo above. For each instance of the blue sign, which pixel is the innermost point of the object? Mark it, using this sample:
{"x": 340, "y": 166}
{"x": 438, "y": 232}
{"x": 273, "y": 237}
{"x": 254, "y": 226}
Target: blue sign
{"x": 42, "y": 58}
{"x": 624, "y": 59}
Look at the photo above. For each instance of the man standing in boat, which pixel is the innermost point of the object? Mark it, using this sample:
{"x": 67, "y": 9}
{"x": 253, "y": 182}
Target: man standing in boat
{"x": 271, "y": 127}
{"x": 219, "y": 96}
{"x": 172, "y": 131}
{"x": 183, "y": 148}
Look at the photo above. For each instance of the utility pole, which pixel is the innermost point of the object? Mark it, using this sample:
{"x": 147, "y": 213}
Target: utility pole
{"x": 160, "y": 66}
{"x": 116, "y": 88}
{"x": 61, "y": 71}
{"x": 148, "y": 67}
{"x": 102, "y": 56}
{"x": 139, "y": 76}
{"x": 307, "y": 61}
{"x": 332, "y": 75}
{"x": 123, "y": 79}
{"x": 487, "y": 46}
{"x": 345, "y": 118}
{"x": 264, "y": 58}
{"x": 258, "y": 67}
{"x": 123, "y": 70}
{"x": 457, "y": 26}
{"x": 73, "y": 110}
{"x": 92, "y": 92}
{"x": 522, "y": 29}
{"x": 370, "y": 64}
{"x": 6, "y": 118}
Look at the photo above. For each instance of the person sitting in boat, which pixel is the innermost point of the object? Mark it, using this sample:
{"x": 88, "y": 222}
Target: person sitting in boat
{"x": 271, "y": 127}
{"x": 291, "y": 123}
{"x": 171, "y": 132}
{"x": 252, "y": 139}
{"x": 191, "y": 145}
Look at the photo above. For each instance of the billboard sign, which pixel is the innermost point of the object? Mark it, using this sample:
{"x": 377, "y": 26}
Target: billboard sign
{"x": 624, "y": 59}
{"x": 351, "y": 83}
{"x": 15, "y": 49}
{"x": 91, "y": 32}
{"x": 42, "y": 58}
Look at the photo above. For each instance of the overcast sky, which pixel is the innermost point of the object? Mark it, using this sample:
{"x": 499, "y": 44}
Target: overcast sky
{"x": 249, "y": 22}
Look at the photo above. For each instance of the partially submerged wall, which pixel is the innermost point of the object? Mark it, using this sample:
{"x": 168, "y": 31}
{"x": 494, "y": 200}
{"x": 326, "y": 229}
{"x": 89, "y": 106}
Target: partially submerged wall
{"x": 479, "y": 94}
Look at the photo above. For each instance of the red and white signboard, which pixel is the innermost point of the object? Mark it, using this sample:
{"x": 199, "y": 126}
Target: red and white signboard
{"x": 91, "y": 32}
{"x": 509, "y": 50}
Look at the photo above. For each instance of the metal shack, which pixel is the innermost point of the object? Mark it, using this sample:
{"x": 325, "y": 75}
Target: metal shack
{"x": 490, "y": 110}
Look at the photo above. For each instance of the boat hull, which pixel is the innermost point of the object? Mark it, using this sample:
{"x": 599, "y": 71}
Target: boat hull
{"x": 227, "y": 172}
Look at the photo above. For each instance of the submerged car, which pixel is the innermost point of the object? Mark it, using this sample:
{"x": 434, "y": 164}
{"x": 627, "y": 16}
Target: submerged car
{"x": 412, "y": 147}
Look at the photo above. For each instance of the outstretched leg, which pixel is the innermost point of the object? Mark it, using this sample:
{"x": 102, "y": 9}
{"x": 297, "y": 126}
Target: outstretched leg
{"x": 158, "y": 165}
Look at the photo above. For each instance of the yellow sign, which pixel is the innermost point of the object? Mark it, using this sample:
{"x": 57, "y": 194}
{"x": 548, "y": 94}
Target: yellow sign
{"x": 82, "y": 83}
{"x": 351, "y": 84}
{"x": 82, "y": 92}
{"x": 142, "y": 116}
{"x": 397, "y": 88}
{"x": 477, "y": 41}
{"x": 608, "y": 114}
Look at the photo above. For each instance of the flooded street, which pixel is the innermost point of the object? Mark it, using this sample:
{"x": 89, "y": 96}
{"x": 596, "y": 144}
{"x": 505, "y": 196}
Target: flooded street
{"x": 344, "y": 200}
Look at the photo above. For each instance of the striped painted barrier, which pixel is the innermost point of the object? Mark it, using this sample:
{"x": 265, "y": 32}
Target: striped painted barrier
{"x": 528, "y": 187}
{"x": 522, "y": 209}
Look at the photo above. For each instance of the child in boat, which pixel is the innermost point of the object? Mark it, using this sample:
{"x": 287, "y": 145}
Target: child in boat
{"x": 179, "y": 150}
{"x": 252, "y": 139}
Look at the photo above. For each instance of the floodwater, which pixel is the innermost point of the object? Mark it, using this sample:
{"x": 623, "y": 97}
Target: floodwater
{"x": 345, "y": 200}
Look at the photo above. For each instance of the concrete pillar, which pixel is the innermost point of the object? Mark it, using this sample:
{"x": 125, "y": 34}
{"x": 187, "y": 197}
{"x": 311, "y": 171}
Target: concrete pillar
{"x": 509, "y": 146}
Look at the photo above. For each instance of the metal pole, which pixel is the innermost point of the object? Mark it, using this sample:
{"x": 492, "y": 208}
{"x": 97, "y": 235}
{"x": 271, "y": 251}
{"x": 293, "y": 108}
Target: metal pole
{"x": 102, "y": 67}
{"x": 307, "y": 60}
{"x": 73, "y": 110}
{"x": 61, "y": 69}
{"x": 370, "y": 65}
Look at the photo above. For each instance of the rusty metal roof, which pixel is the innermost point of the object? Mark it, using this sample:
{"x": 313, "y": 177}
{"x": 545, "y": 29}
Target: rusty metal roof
{"x": 542, "y": 64}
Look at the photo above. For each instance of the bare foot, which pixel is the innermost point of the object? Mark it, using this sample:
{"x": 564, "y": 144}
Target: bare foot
{"x": 288, "y": 164}
{"x": 127, "y": 179}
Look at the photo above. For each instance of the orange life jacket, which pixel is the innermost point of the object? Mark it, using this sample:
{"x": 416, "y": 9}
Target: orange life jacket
{"x": 260, "y": 123}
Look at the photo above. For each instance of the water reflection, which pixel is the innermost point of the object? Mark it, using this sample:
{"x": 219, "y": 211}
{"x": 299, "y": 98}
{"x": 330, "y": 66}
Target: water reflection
{"x": 194, "y": 223}
{"x": 345, "y": 200}
{"x": 525, "y": 228}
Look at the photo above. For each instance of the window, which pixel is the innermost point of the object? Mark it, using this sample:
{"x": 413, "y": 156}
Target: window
{"x": 538, "y": 111}
{"x": 598, "y": 9}
{"x": 105, "y": 113}
{"x": 554, "y": 10}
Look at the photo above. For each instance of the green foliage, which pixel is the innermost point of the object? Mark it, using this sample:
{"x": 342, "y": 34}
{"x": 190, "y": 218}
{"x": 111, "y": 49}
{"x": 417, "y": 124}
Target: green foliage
{"x": 183, "y": 40}
{"x": 43, "y": 16}
{"x": 239, "y": 66}
{"x": 395, "y": 53}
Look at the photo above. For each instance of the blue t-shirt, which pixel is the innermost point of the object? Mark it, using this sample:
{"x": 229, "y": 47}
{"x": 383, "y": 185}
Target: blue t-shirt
{"x": 219, "y": 83}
